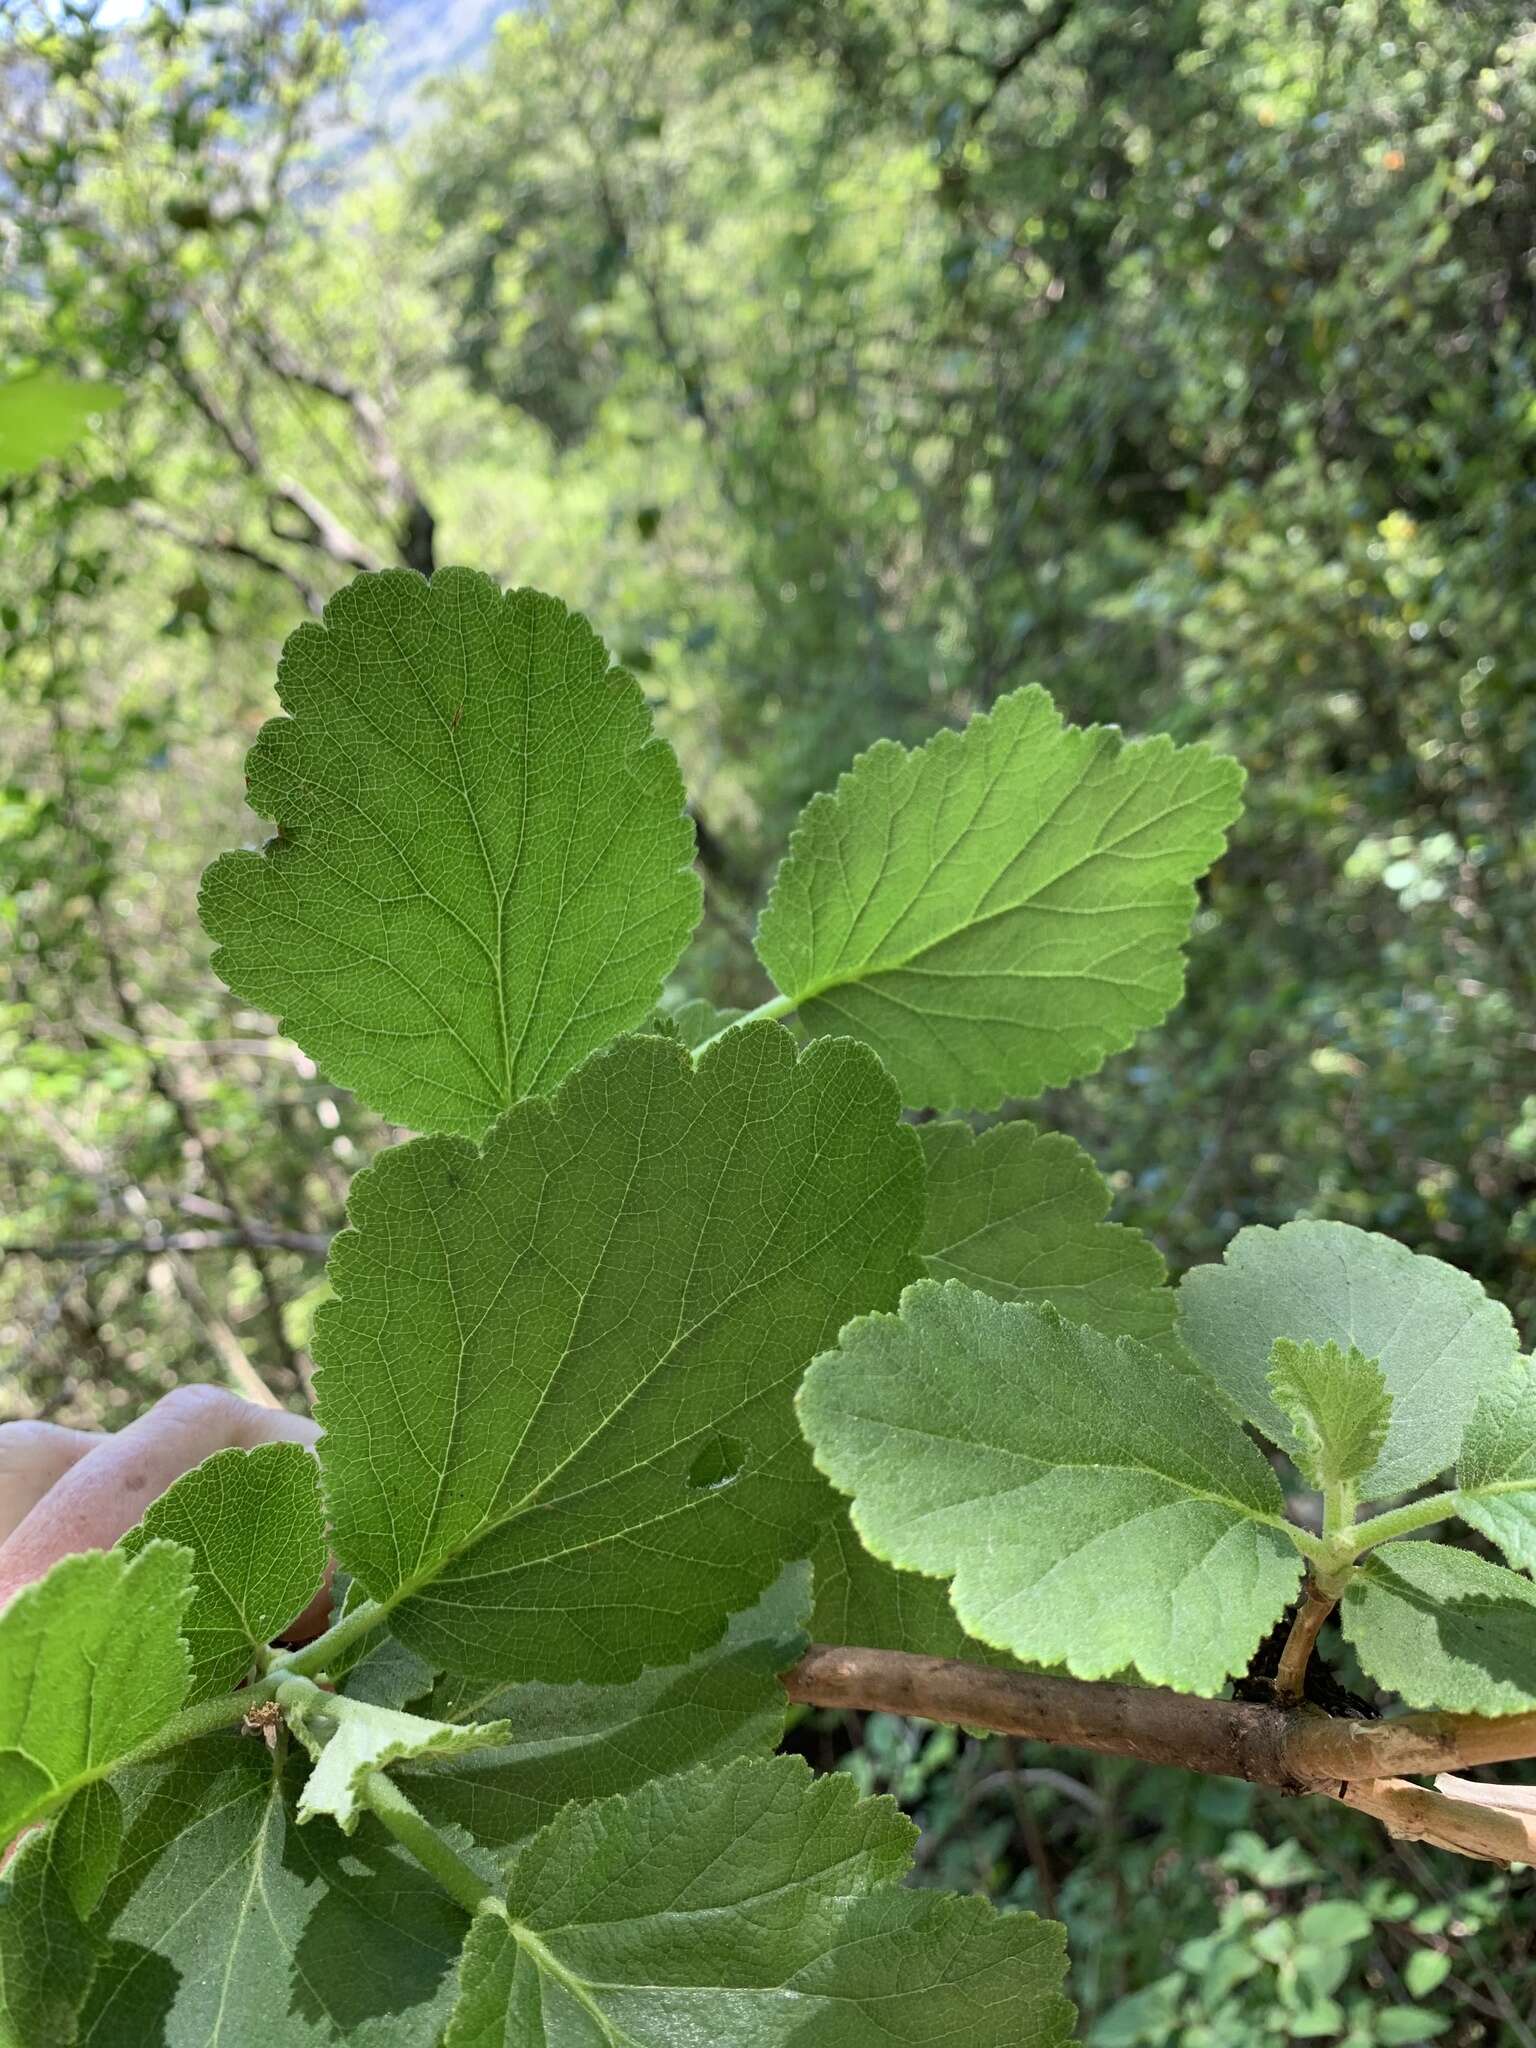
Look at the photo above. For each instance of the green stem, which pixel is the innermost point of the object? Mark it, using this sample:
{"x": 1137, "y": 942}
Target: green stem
{"x": 776, "y": 1006}
{"x": 1418, "y": 1514}
{"x": 207, "y": 1718}
{"x": 413, "y": 1831}
{"x": 318, "y": 1656}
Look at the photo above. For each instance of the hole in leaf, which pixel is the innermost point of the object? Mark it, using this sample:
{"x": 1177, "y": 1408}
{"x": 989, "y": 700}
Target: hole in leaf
{"x": 717, "y": 1464}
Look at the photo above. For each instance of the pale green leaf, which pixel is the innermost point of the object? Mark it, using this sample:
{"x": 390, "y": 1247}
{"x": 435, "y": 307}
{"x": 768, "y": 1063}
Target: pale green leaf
{"x": 1444, "y": 1629}
{"x": 349, "y": 1739}
{"x": 1001, "y": 909}
{"x": 583, "y": 1742}
{"x": 47, "y": 1955}
{"x": 557, "y": 1382}
{"x": 91, "y": 1664}
{"x": 1096, "y": 1503}
{"x": 43, "y": 415}
{"x": 1339, "y": 1408}
{"x": 1496, "y": 1474}
{"x": 863, "y": 1600}
{"x": 1019, "y": 1213}
{"x": 1438, "y": 1339}
{"x": 229, "y": 1926}
{"x": 253, "y": 1523}
{"x": 87, "y": 1838}
{"x": 755, "y": 1906}
{"x": 483, "y": 866}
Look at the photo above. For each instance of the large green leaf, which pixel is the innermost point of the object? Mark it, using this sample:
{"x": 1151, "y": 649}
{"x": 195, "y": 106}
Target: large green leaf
{"x": 1437, "y": 1337}
{"x": 47, "y": 1955}
{"x": 1339, "y": 1408}
{"x": 1019, "y": 1213}
{"x": 44, "y": 414}
{"x": 1002, "y": 908}
{"x": 1444, "y": 1629}
{"x": 253, "y": 1523}
{"x": 229, "y": 1926}
{"x": 1096, "y": 1503}
{"x": 1496, "y": 1473}
{"x": 91, "y": 1664}
{"x": 482, "y": 868}
{"x": 583, "y": 1742}
{"x": 755, "y": 1906}
{"x": 557, "y": 1382}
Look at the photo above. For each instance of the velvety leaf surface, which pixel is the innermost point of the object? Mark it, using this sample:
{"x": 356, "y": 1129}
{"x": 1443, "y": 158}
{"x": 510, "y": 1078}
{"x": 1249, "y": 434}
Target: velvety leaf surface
{"x": 755, "y": 1906}
{"x": 229, "y": 1926}
{"x": 91, "y": 1664}
{"x": 482, "y": 869}
{"x": 254, "y": 1525}
{"x": 583, "y": 1742}
{"x": 998, "y": 910}
{"x": 348, "y": 1739}
{"x": 861, "y": 1599}
{"x": 1496, "y": 1474}
{"x": 1339, "y": 1408}
{"x": 47, "y": 1956}
{"x": 1097, "y": 1504}
{"x": 1444, "y": 1629}
{"x": 557, "y": 1383}
{"x": 1019, "y": 1213}
{"x": 1438, "y": 1339}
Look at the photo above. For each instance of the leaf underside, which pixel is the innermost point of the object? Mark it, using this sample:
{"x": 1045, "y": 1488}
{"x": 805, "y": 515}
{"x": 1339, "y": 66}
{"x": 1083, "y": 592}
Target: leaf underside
{"x": 557, "y": 1383}
{"x": 1496, "y": 1474}
{"x": 1444, "y": 1629}
{"x": 1000, "y": 909}
{"x": 1438, "y": 1339}
{"x": 482, "y": 870}
{"x": 1096, "y": 1504}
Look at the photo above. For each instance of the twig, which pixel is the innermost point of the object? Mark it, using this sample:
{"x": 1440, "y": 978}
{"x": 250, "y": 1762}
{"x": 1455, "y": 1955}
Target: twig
{"x": 1291, "y": 1672}
{"x": 156, "y": 1244}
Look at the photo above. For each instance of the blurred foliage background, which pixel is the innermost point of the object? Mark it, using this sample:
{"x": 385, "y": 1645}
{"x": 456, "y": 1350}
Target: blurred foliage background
{"x": 850, "y": 362}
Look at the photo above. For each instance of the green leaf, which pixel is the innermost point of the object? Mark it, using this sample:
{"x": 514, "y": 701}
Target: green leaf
{"x": 1437, "y": 1337}
{"x": 756, "y": 1906}
{"x": 862, "y": 1599}
{"x": 482, "y": 869}
{"x": 228, "y": 1924}
{"x": 43, "y": 415}
{"x": 1339, "y": 1408}
{"x": 47, "y": 1956}
{"x": 583, "y": 1742}
{"x": 1444, "y": 1629}
{"x": 999, "y": 910}
{"x": 557, "y": 1382}
{"x": 349, "y": 1739}
{"x": 1096, "y": 1503}
{"x": 87, "y": 1838}
{"x": 694, "y": 1020}
{"x": 1496, "y": 1474}
{"x": 254, "y": 1525}
{"x": 1019, "y": 1213}
{"x": 91, "y": 1664}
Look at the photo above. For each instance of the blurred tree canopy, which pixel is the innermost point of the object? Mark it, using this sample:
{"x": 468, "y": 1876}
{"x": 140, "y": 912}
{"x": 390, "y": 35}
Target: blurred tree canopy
{"x": 851, "y": 362}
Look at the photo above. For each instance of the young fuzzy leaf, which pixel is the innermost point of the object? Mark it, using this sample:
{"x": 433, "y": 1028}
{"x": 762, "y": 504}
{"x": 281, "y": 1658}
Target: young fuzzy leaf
{"x": 1496, "y": 1474}
{"x": 1001, "y": 909}
{"x": 228, "y": 1926}
{"x": 91, "y": 1664}
{"x": 583, "y": 1742}
{"x": 349, "y": 1739}
{"x": 1096, "y": 1504}
{"x": 557, "y": 1382}
{"x": 1019, "y": 1213}
{"x": 253, "y": 1523}
{"x": 757, "y": 1906}
{"x": 482, "y": 870}
{"x": 1444, "y": 1629}
{"x": 1339, "y": 1408}
{"x": 47, "y": 1955}
{"x": 1439, "y": 1340}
